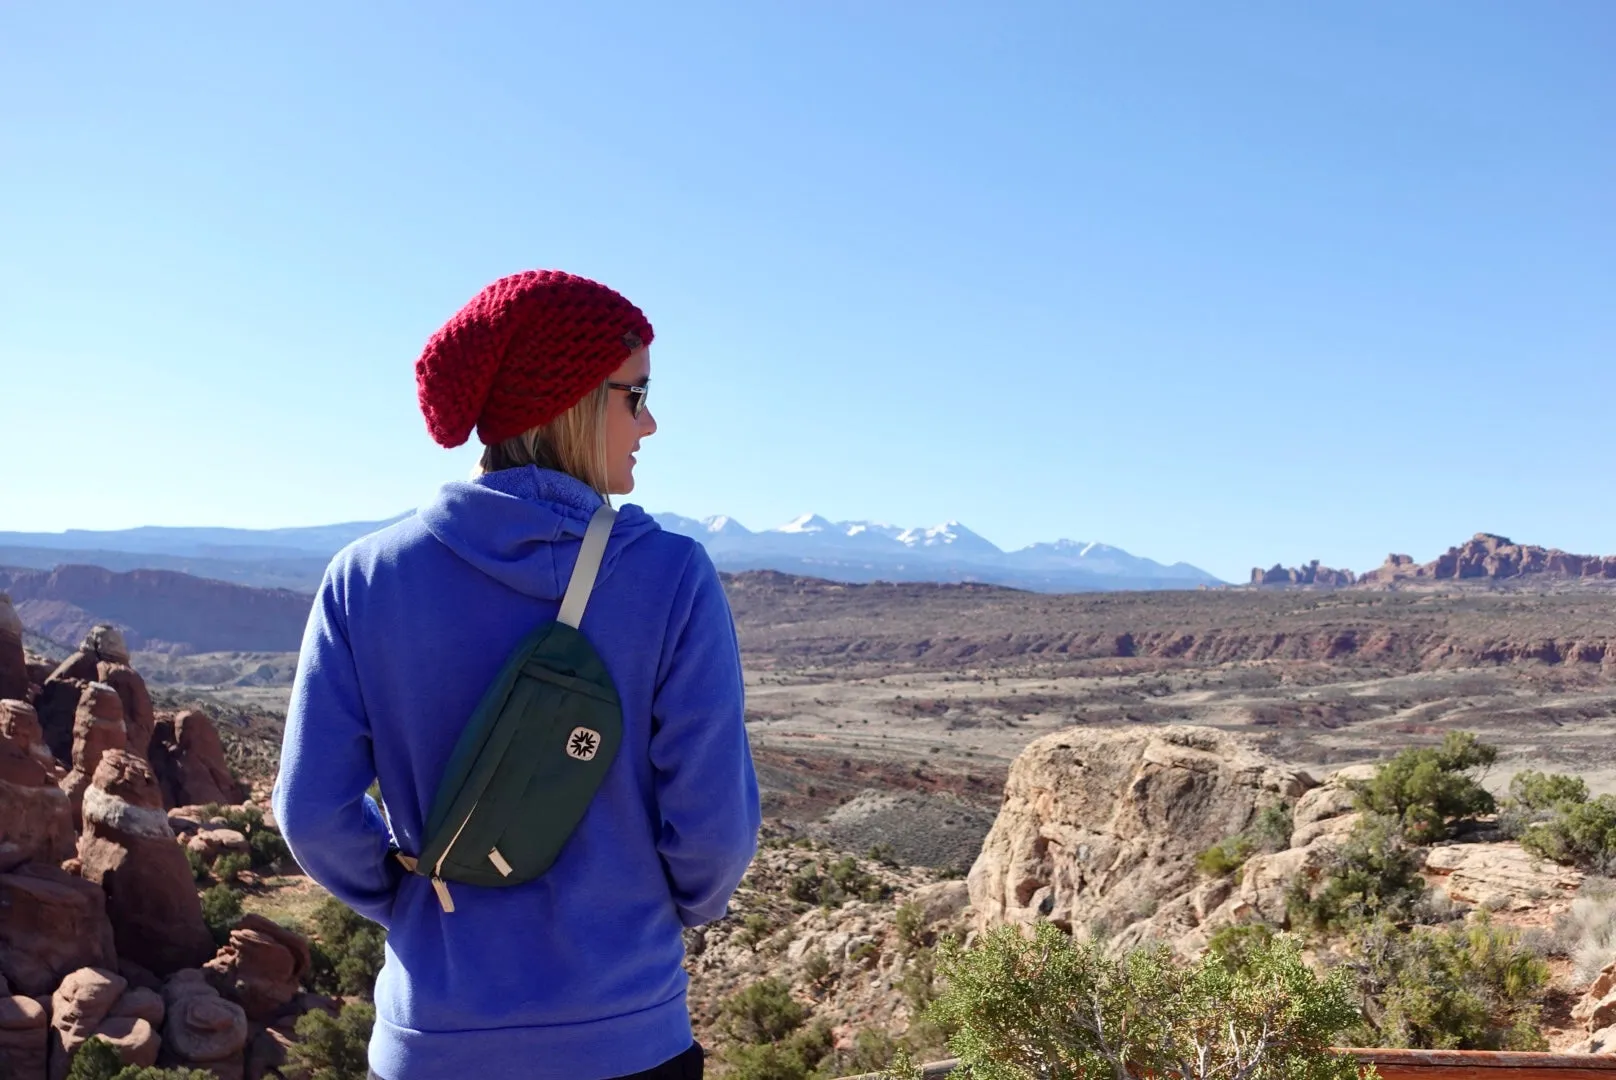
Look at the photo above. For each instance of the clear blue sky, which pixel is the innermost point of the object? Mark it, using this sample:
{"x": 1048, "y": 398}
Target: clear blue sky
{"x": 1228, "y": 283}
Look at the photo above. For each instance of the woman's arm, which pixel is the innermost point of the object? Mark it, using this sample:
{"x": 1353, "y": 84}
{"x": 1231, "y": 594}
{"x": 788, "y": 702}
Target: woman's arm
{"x": 336, "y": 832}
{"x": 706, "y": 790}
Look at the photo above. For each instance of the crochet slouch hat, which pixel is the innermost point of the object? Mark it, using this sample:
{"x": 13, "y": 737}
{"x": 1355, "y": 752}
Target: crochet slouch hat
{"x": 522, "y": 352}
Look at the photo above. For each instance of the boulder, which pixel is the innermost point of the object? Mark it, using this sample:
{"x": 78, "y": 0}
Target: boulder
{"x": 1503, "y": 877}
{"x": 138, "y": 719}
{"x": 1101, "y": 827}
{"x": 261, "y": 967}
{"x": 1597, "y": 1009}
{"x": 134, "y": 1038}
{"x": 128, "y": 848}
{"x": 36, "y": 817}
{"x": 24, "y": 1038}
{"x": 19, "y": 725}
{"x": 1602, "y": 1041}
{"x": 13, "y": 662}
{"x": 211, "y": 843}
{"x": 267, "y": 1052}
{"x": 78, "y": 1007}
{"x": 54, "y": 923}
{"x": 204, "y": 1030}
{"x": 142, "y": 1002}
{"x": 97, "y": 728}
{"x": 190, "y": 762}
{"x": 941, "y": 901}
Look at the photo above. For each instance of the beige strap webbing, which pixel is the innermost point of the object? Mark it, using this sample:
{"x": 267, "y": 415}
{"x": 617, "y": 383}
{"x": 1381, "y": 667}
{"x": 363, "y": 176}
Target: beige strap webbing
{"x": 588, "y": 565}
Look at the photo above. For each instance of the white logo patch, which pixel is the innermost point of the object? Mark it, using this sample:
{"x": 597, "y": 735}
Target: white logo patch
{"x": 583, "y": 744}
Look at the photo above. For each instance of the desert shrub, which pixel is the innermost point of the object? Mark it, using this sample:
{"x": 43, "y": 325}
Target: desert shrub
{"x": 198, "y": 865}
{"x": 1464, "y": 987}
{"x": 911, "y": 926}
{"x": 268, "y": 849}
{"x": 816, "y": 966}
{"x": 221, "y": 910}
{"x": 151, "y": 1072}
{"x": 1375, "y": 874}
{"x": 347, "y": 951}
{"x": 1428, "y": 788}
{"x": 334, "y": 1047}
{"x": 1271, "y": 831}
{"x": 761, "y": 1013}
{"x": 1240, "y": 946}
{"x": 1581, "y": 834}
{"x": 883, "y": 853}
{"x": 754, "y": 928}
{"x": 1533, "y": 790}
{"x": 767, "y": 1038}
{"x": 1057, "y": 1008}
{"x": 95, "y": 1059}
{"x": 1587, "y": 932}
{"x": 835, "y": 885}
{"x": 228, "y": 867}
{"x": 1225, "y": 857}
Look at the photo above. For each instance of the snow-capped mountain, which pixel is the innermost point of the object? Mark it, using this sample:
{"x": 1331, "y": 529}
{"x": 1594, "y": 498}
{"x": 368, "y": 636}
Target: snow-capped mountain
{"x": 870, "y": 551}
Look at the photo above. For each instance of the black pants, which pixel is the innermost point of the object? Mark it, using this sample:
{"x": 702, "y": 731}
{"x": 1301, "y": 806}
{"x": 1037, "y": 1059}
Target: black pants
{"x": 687, "y": 1066}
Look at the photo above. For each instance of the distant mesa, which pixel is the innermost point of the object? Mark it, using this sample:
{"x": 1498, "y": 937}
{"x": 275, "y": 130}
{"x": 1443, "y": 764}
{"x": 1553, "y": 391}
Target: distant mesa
{"x": 1485, "y": 557}
{"x": 1311, "y": 574}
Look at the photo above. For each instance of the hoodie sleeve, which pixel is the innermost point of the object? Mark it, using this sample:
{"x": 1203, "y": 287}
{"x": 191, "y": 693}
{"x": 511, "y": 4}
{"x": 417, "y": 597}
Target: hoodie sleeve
{"x": 335, "y": 830}
{"x": 706, "y": 791}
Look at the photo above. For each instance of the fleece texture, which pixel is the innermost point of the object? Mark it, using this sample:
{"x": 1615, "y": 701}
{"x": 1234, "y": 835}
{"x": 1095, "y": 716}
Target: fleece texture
{"x": 579, "y": 973}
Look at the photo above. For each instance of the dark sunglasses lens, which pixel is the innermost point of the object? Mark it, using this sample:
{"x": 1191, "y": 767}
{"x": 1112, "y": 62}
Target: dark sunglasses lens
{"x": 637, "y": 400}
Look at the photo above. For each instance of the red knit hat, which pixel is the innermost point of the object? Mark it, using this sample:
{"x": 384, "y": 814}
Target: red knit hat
{"x": 522, "y": 352}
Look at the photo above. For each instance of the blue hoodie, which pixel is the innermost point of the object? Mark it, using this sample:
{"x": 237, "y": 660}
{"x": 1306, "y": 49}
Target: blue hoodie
{"x": 578, "y": 974}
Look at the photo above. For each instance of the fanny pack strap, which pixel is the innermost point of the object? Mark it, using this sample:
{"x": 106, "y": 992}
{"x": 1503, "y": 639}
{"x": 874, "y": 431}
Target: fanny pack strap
{"x": 587, "y": 567}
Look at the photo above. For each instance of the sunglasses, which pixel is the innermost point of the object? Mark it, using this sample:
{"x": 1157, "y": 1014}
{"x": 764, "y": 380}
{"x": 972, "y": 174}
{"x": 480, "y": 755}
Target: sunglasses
{"x": 637, "y": 393}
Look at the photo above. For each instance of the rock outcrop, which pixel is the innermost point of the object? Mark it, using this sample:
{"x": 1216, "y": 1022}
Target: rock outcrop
{"x": 1311, "y": 574}
{"x": 13, "y": 663}
{"x": 202, "y": 1029}
{"x": 138, "y": 720}
{"x": 1488, "y": 557}
{"x": 128, "y": 848}
{"x": 36, "y": 818}
{"x": 189, "y": 760}
{"x": 24, "y": 1037}
{"x": 97, "y": 728}
{"x": 261, "y": 968}
{"x": 1098, "y": 828}
{"x": 54, "y": 923}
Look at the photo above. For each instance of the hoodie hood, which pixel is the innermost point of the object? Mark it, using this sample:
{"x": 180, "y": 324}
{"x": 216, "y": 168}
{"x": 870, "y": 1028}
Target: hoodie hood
{"x": 522, "y": 527}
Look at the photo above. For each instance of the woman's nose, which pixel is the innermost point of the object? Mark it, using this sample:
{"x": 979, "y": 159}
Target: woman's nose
{"x": 647, "y": 423}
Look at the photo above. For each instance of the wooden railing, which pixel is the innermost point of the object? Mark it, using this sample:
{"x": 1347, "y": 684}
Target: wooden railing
{"x": 1437, "y": 1065}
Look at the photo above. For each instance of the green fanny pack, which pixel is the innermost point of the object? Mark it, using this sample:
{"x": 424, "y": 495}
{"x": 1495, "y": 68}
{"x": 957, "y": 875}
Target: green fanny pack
{"x": 532, "y": 755}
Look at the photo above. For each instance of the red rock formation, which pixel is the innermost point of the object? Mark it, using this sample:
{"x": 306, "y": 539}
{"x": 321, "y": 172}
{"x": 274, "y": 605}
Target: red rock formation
{"x": 24, "y": 1038}
{"x": 261, "y": 968}
{"x": 138, "y": 719}
{"x": 97, "y": 728}
{"x": 54, "y": 923}
{"x": 13, "y": 662}
{"x": 78, "y": 1006}
{"x": 128, "y": 848}
{"x": 36, "y": 819}
{"x": 56, "y": 704}
{"x": 189, "y": 759}
{"x": 202, "y": 1029}
{"x": 1488, "y": 557}
{"x": 1311, "y": 574}
{"x": 211, "y": 843}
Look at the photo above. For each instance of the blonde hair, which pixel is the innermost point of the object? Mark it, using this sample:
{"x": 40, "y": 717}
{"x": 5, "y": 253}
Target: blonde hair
{"x": 573, "y": 443}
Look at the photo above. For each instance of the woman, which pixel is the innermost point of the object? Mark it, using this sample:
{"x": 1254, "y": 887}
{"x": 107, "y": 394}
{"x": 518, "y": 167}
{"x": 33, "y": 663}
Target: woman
{"x": 577, "y": 974}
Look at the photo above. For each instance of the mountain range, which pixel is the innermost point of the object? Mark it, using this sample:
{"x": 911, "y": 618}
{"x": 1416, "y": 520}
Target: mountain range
{"x": 856, "y": 551}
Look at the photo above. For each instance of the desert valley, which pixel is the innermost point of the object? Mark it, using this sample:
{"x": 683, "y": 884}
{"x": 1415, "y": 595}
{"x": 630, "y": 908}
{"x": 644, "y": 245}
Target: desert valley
{"x": 936, "y": 758}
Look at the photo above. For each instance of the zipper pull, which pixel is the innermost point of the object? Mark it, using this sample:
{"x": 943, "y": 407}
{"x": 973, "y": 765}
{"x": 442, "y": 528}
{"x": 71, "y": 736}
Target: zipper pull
{"x": 445, "y": 901}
